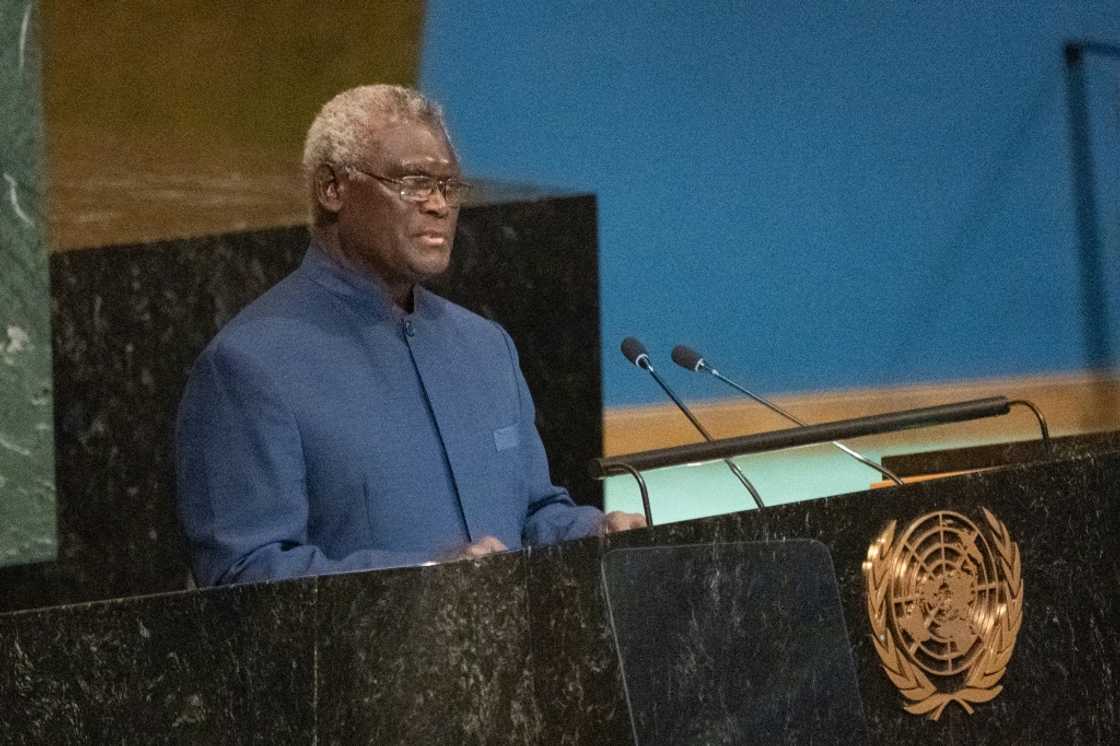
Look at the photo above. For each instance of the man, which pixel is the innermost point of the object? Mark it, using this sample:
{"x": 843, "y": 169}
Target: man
{"x": 349, "y": 418}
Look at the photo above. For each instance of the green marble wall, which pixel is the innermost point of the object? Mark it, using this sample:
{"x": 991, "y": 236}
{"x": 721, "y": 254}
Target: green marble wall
{"x": 27, "y": 498}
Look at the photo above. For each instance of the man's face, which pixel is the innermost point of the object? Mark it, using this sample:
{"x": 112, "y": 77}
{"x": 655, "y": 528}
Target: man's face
{"x": 402, "y": 242}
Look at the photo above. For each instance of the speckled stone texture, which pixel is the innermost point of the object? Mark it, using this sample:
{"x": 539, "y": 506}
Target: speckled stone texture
{"x": 427, "y": 655}
{"x": 230, "y": 666}
{"x": 27, "y": 498}
{"x": 717, "y": 641}
{"x": 129, "y": 321}
{"x": 1060, "y": 684}
{"x": 418, "y": 655}
{"x": 518, "y": 648}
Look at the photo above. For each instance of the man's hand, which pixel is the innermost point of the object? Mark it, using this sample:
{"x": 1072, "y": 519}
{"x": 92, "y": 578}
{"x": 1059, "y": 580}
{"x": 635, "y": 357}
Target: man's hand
{"x": 616, "y": 521}
{"x": 484, "y": 546}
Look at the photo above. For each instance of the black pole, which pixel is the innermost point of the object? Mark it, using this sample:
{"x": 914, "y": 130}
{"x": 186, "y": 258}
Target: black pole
{"x": 975, "y": 409}
{"x": 1097, "y": 326}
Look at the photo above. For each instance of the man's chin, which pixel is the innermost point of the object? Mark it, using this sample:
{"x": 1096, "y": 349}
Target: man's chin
{"x": 428, "y": 269}
{"x": 433, "y": 260}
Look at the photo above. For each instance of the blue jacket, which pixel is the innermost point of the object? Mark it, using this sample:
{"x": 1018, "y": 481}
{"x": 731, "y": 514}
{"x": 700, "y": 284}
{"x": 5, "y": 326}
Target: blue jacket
{"x": 324, "y": 430}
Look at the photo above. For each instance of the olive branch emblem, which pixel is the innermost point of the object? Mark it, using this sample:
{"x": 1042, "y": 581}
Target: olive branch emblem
{"x": 997, "y": 637}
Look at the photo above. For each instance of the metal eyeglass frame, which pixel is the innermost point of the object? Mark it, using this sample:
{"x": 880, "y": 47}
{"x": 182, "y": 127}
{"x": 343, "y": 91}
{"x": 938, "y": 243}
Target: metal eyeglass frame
{"x": 461, "y": 188}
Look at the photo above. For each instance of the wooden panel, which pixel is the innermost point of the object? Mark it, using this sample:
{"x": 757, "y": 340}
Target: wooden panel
{"x": 167, "y": 120}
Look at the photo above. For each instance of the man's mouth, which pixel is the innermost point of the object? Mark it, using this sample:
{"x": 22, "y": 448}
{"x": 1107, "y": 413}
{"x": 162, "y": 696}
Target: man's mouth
{"x": 432, "y": 239}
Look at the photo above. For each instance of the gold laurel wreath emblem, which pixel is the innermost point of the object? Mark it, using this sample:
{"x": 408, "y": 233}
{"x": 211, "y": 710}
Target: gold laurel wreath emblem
{"x": 981, "y": 684}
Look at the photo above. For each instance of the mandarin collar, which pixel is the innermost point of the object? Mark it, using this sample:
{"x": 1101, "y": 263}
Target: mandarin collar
{"x": 359, "y": 287}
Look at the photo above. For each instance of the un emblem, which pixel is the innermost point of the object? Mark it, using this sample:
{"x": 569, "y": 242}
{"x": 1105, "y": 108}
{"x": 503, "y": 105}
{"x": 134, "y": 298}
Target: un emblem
{"x": 945, "y": 601}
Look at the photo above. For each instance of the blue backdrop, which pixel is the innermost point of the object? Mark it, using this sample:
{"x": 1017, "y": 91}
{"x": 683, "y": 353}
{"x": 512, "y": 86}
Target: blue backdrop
{"x": 816, "y": 197}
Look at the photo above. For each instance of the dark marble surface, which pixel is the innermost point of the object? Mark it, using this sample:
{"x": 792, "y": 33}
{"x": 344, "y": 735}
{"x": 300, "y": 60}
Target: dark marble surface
{"x": 733, "y": 643}
{"x": 232, "y": 666}
{"x": 574, "y": 662}
{"x": 518, "y": 648}
{"x": 427, "y": 655}
{"x": 416, "y": 655}
{"x": 1060, "y": 683}
{"x": 129, "y": 322}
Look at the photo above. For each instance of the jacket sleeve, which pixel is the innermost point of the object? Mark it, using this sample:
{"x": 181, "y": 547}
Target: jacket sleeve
{"x": 552, "y": 516}
{"x": 242, "y": 499}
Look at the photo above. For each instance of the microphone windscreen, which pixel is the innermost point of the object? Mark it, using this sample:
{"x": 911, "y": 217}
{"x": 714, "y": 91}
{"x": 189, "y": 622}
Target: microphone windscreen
{"x": 633, "y": 349}
{"x": 686, "y": 357}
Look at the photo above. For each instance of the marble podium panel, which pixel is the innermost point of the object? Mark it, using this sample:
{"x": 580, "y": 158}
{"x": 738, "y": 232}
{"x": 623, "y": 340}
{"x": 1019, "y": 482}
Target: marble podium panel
{"x": 1059, "y": 686}
{"x": 517, "y": 648}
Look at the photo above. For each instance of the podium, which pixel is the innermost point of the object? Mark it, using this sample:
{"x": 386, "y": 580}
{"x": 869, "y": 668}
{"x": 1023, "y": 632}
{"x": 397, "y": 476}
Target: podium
{"x": 527, "y": 647}
{"x": 726, "y": 643}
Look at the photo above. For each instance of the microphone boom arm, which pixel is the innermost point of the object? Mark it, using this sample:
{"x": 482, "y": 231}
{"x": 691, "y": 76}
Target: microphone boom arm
{"x": 774, "y": 407}
{"x": 802, "y": 436}
{"x": 707, "y": 436}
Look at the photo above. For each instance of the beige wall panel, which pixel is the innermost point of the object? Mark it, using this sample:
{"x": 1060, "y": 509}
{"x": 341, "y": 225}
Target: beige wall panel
{"x": 168, "y": 119}
{"x": 1072, "y": 403}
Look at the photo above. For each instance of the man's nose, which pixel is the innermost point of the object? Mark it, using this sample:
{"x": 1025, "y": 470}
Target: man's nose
{"x": 436, "y": 203}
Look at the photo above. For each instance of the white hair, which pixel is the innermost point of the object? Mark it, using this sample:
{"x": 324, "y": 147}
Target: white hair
{"x": 346, "y": 128}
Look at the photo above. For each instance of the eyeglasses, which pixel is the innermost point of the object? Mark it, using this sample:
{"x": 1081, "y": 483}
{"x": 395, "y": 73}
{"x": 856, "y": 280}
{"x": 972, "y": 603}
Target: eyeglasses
{"x": 419, "y": 188}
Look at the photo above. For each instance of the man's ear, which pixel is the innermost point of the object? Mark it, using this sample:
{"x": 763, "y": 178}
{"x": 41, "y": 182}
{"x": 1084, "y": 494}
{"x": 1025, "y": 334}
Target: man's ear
{"x": 329, "y": 190}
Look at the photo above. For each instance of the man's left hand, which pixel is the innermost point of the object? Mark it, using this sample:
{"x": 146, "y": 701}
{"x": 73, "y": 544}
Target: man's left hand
{"x": 616, "y": 521}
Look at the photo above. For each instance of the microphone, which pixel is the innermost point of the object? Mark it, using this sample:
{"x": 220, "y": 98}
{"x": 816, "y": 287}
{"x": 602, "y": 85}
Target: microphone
{"x": 637, "y": 354}
{"x": 690, "y": 359}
